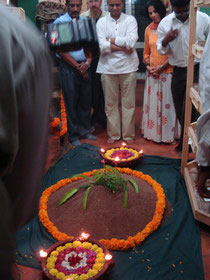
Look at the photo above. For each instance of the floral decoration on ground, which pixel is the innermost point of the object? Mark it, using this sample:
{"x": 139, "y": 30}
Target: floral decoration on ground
{"x": 123, "y": 153}
{"x": 114, "y": 243}
{"x": 76, "y": 260}
{"x": 54, "y": 124}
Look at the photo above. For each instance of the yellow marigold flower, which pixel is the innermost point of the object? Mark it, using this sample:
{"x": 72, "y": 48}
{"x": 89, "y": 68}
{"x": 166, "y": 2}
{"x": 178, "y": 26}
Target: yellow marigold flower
{"x": 68, "y": 245}
{"x": 100, "y": 260}
{"x": 52, "y": 259}
{"x": 94, "y": 247}
{"x": 53, "y": 271}
{"x": 92, "y": 272}
{"x": 77, "y": 243}
{"x": 83, "y": 277}
{"x": 54, "y": 254}
{"x": 86, "y": 245}
{"x": 98, "y": 266}
{"x": 60, "y": 248}
{"x": 60, "y": 275}
{"x": 99, "y": 250}
{"x": 50, "y": 265}
{"x": 67, "y": 277}
{"x": 74, "y": 276}
{"x": 100, "y": 255}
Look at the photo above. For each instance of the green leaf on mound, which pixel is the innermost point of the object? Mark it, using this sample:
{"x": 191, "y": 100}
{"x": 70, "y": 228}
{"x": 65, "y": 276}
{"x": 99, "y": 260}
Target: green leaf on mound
{"x": 66, "y": 196}
{"x": 85, "y": 197}
{"x": 126, "y": 198}
{"x": 134, "y": 185}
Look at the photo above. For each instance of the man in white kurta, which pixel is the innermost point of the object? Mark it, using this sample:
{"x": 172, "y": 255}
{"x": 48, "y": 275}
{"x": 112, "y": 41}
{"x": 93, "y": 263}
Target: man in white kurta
{"x": 203, "y": 123}
{"x": 118, "y": 63}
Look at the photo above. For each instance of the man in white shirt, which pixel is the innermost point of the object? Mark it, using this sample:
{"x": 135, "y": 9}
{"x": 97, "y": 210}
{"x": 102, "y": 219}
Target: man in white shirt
{"x": 173, "y": 39}
{"x": 203, "y": 124}
{"x": 98, "y": 115}
{"x": 118, "y": 63}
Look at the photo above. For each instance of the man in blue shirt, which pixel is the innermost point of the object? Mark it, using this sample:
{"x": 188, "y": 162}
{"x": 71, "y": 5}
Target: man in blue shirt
{"x": 75, "y": 82}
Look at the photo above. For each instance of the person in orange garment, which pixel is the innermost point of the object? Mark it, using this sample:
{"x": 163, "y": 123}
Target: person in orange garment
{"x": 25, "y": 82}
{"x": 159, "y": 122}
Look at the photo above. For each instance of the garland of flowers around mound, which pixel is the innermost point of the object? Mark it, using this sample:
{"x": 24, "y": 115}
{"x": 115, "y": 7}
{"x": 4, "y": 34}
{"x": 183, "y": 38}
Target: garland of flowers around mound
{"x": 114, "y": 243}
{"x": 56, "y": 121}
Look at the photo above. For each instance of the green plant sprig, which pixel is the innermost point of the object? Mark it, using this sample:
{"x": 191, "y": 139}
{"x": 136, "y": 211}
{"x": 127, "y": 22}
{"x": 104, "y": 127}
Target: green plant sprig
{"x": 108, "y": 177}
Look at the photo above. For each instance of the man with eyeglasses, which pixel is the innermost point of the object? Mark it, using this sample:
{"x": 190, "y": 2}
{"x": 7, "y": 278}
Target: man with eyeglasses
{"x": 173, "y": 39}
{"x": 98, "y": 116}
{"x": 74, "y": 74}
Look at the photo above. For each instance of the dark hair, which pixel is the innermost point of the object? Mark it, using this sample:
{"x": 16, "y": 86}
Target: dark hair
{"x": 67, "y": 1}
{"x": 159, "y": 7}
{"x": 179, "y": 3}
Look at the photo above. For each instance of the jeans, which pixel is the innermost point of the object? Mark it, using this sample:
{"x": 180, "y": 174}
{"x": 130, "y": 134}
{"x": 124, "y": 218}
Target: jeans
{"x": 77, "y": 98}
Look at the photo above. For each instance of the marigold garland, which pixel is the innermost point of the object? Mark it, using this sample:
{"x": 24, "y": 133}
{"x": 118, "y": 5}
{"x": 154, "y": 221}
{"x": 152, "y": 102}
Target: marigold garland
{"x": 114, "y": 243}
{"x": 56, "y": 121}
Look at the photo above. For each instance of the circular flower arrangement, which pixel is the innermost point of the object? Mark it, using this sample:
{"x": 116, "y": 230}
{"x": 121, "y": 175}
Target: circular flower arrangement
{"x": 76, "y": 260}
{"x": 114, "y": 243}
{"x": 121, "y": 156}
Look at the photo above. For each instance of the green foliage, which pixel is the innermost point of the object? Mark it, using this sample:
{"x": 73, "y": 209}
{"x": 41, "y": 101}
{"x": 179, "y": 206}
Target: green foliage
{"x": 85, "y": 197}
{"x": 67, "y": 195}
{"x": 109, "y": 177}
{"x": 133, "y": 183}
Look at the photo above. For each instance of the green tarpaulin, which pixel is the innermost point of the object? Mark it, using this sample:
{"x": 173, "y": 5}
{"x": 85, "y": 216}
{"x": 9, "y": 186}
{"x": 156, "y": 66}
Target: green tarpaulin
{"x": 173, "y": 252}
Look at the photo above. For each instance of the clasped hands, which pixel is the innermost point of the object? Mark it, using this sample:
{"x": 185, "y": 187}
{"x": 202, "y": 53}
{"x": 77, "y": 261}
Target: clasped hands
{"x": 82, "y": 69}
{"x": 155, "y": 71}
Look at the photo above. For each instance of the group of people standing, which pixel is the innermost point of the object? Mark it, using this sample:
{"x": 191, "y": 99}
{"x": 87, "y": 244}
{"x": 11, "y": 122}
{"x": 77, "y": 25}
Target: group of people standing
{"x": 89, "y": 81}
{"x": 96, "y": 82}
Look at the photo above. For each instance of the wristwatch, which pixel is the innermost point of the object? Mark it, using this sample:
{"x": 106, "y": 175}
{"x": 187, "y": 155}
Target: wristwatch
{"x": 88, "y": 64}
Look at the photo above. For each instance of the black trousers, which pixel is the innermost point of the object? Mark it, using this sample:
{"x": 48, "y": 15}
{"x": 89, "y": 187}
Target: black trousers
{"x": 77, "y": 98}
{"x": 178, "y": 88}
{"x": 98, "y": 116}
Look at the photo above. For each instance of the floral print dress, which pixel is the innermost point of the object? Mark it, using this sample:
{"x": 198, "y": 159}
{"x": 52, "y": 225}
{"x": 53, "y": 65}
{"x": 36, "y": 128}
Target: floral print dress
{"x": 159, "y": 122}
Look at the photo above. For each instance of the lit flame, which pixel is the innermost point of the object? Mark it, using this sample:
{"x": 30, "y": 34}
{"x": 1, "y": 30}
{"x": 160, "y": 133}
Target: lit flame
{"x": 108, "y": 257}
{"x": 43, "y": 254}
{"x": 102, "y": 150}
{"x": 117, "y": 159}
{"x": 141, "y": 152}
{"x": 84, "y": 236}
{"x": 124, "y": 144}
{"x": 69, "y": 278}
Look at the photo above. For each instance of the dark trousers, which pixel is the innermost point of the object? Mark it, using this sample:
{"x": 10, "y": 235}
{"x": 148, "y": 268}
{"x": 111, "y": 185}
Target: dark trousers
{"x": 77, "y": 98}
{"x": 178, "y": 88}
{"x": 98, "y": 116}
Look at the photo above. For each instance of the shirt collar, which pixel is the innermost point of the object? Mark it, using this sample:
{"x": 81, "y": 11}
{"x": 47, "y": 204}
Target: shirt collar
{"x": 112, "y": 19}
{"x": 174, "y": 18}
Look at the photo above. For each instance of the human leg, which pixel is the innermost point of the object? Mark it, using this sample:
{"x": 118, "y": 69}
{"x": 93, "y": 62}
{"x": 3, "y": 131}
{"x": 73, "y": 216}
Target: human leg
{"x": 110, "y": 84}
{"x": 98, "y": 116}
{"x": 203, "y": 153}
{"x": 84, "y": 104}
{"x": 68, "y": 77}
{"x": 128, "y": 92}
{"x": 178, "y": 89}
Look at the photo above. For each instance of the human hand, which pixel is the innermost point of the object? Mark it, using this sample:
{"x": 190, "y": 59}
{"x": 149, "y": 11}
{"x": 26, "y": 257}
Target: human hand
{"x": 85, "y": 76}
{"x": 128, "y": 51}
{"x": 82, "y": 68}
{"x": 155, "y": 71}
{"x": 170, "y": 36}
